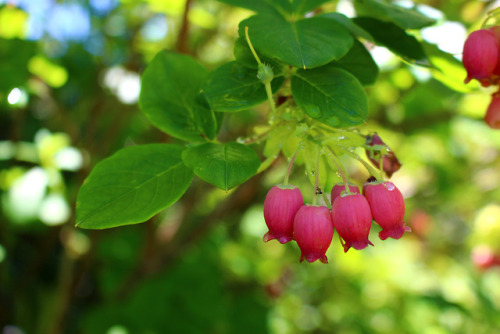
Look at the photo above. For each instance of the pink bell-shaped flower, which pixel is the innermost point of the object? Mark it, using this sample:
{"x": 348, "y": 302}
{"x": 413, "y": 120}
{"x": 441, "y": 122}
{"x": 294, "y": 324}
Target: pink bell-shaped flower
{"x": 280, "y": 206}
{"x": 313, "y": 231}
{"x": 480, "y": 56}
{"x": 388, "y": 208}
{"x": 339, "y": 188}
{"x": 390, "y": 162}
{"x": 352, "y": 218}
{"x": 492, "y": 116}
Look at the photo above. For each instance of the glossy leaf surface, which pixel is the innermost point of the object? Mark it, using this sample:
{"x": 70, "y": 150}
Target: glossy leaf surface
{"x": 169, "y": 97}
{"x": 306, "y": 43}
{"x": 330, "y": 95}
{"x": 131, "y": 186}
{"x": 224, "y": 166}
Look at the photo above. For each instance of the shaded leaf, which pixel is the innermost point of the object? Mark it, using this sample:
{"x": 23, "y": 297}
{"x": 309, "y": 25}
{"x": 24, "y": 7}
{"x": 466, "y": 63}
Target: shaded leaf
{"x": 224, "y": 166}
{"x": 360, "y": 63}
{"x": 394, "y": 38}
{"x": 131, "y": 186}
{"x": 244, "y": 56}
{"x": 330, "y": 95}
{"x": 403, "y": 17}
{"x": 233, "y": 87}
{"x": 169, "y": 97}
{"x": 353, "y": 28}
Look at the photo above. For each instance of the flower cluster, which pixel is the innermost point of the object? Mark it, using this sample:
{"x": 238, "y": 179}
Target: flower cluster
{"x": 481, "y": 59}
{"x": 312, "y": 226}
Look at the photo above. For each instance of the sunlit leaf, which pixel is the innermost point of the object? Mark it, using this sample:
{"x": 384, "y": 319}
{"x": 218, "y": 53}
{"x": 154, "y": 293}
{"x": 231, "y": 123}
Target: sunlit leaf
{"x": 284, "y": 7}
{"x": 224, "y": 166}
{"x": 305, "y": 43}
{"x": 330, "y": 95}
{"x": 403, "y": 17}
{"x": 131, "y": 186}
{"x": 394, "y": 38}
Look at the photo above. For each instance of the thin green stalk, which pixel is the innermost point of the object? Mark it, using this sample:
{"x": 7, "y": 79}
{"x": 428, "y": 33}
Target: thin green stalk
{"x": 381, "y": 167}
{"x": 374, "y": 172}
{"x": 290, "y": 165}
{"x": 269, "y": 91}
{"x": 341, "y": 171}
{"x": 316, "y": 182}
{"x": 327, "y": 201}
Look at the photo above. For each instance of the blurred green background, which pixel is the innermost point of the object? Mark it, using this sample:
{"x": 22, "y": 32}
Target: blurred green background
{"x": 69, "y": 84}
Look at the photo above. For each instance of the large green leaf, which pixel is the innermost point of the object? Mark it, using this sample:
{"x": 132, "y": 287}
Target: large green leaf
{"x": 245, "y": 57}
{"x": 353, "y": 28}
{"x": 304, "y": 6}
{"x": 395, "y": 39}
{"x": 224, "y": 166}
{"x": 169, "y": 97}
{"x": 330, "y": 95}
{"x": 233, "y": 87}
{"x": 131, "y": 186}
{"x": 306, "y": 43}
{"x": 403, "y": 17}
{"x": 284, "y": 7}
{"x": 360, "y": 63}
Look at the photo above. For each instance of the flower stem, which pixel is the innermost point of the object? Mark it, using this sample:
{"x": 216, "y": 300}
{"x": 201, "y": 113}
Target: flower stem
{"x": 269, "y": 91}
{"x": 251, "y": 47}
{"x": 373, "y": 171}
{"x": 381, "y": 167}
{"x": 341, "y": 171}
{"x": 327, "y": 201}
{"x": 285, "y": 182}
{"x": 316, "y": 182}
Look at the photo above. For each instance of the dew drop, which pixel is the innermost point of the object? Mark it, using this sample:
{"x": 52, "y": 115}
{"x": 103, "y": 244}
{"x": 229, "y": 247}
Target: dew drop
{"x": 332, "y": 121}
{"x": 240, "y": 140}
{"x": 313, "y": 111}
{"x": 390, "y": 186}
{"x": 355, "y": 119}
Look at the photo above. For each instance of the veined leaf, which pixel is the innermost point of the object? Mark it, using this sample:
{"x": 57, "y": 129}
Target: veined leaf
{"x": 131, "y": 186}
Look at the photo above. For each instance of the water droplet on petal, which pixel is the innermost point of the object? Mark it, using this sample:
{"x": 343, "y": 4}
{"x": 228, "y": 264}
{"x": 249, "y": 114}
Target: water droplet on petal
{"x": 390, "y": 186}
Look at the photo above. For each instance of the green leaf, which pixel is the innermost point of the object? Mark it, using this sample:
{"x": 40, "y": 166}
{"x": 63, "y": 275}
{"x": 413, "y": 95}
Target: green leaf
{"x": 395, "y": 39}
{"x": 224, "y": 166}
{"x": 233, "y": 87}
{"x": 260, "y": 6}
{"x": 447, "y": 69}
{"x": 284, "y": 7}
{"x": 306, "y": 43}
{"x": 330, "y": 95}
{"x": 169, "y": 97}
{"x": 206, "y": 120}
{"x": 131, "y": 186}
{"x": 305, "y": 6}
{"x": 403, "y": 17}
{"x": 353, "y": 28}
{"x": 244, "y": 56}
{"x": 360, "y": 63}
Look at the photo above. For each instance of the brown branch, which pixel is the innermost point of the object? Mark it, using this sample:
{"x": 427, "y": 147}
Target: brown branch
{"x": 183, "y": 240}
{"x": 183, "y": 37}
